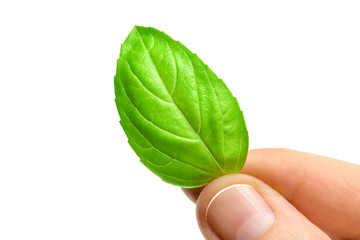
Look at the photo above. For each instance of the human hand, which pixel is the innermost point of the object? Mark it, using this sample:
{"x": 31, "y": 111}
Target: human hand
{"x": 282, "y": 194}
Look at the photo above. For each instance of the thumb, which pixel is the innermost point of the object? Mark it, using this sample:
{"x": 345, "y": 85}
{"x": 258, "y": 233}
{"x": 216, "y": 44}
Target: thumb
{"x": 240, "y": 206}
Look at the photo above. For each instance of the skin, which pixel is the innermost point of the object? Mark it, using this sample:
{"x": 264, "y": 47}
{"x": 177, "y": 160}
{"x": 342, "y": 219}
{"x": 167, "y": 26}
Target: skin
{"x": 312, "y": 197}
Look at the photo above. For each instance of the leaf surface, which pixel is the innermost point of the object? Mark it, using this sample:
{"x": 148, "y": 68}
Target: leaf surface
{"x": 180, "y": 118}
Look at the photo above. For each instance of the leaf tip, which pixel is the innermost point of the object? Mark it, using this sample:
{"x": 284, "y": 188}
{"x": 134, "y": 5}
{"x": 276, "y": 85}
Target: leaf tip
{"x": 138, "y": 27}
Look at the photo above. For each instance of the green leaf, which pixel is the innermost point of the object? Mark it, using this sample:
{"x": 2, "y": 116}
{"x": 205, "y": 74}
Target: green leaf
{"x": 180, "y": 118}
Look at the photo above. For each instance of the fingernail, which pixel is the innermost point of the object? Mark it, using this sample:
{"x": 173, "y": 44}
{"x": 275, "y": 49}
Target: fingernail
{"x": 239, "y": 212}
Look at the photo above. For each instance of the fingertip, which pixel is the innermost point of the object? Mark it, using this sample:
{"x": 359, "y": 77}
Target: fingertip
{"x": 239, "y": 206}
{"x": 219, "y": 213}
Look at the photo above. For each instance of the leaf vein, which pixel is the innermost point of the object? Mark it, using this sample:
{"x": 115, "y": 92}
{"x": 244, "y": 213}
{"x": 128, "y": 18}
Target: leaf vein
{"x": 222, "y": 117}
{"x": 240, "y": 149}
{"x": 232, "y": 129}
{"x": 181, "y": 179}
{"x": 140, "y": 82}
{"x": 197, "y": 89}
{"x": 158, "y": 127}
{"x": 161, "y": 152}
{"x": 176, "y": 69}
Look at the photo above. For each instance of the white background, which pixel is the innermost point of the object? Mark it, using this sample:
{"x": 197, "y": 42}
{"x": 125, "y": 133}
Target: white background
{"x": 66, "y": 169}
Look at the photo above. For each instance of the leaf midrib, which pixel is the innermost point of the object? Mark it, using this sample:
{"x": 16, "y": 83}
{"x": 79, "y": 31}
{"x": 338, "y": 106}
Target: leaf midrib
{"x": 183, "y": 116}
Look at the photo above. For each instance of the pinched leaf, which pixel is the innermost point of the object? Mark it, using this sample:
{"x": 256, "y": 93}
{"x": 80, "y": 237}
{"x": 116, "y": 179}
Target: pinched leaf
{"x": 180, "y": 118}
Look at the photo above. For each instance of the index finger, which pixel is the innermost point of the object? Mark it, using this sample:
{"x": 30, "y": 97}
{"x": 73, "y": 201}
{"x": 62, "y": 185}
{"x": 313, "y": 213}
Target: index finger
{"x": 325, "y": 190}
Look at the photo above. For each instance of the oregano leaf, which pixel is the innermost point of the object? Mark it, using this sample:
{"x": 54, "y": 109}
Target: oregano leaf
{"x": 180, "y": 118}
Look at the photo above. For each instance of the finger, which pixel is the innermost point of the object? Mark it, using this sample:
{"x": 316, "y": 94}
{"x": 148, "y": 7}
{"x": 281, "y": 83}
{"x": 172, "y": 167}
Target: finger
{"x": 239, "y": 206}
{"x": 325, "y": 190}
{"x": 192, "y": 193}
